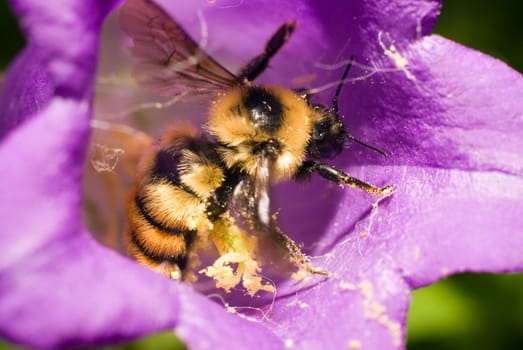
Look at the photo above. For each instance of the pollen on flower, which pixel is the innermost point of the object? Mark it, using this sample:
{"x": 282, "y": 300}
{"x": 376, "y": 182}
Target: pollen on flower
{"x": 246, "y": 272}
{"x": 301, "y": 304}
{"x": 289, "y": 343}
{"x": 195, "y": 221}
{"x": 364, "y": 234}
{"x": 347, "y": 285}
{"x": 230, "y": 309}
{"x": 237, "y": 263}
{"x": 301, "y": 275}
{"x": 399, "y": 61}
{"x": 222, "y": 272}
{"x": 373, "y": 310}
{"x": 417, "y": 252}
{"x": 354, "y": 344}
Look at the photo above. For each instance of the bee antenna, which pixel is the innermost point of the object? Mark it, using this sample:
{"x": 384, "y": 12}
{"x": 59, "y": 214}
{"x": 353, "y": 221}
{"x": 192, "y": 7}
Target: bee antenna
{"x": 336, "y": 109}
{"x": 340, "y": 85}
{"x": 365, "y": 144}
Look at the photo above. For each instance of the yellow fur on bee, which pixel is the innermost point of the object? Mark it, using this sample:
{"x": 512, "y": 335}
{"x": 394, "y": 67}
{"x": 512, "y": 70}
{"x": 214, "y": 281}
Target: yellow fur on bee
{"x": 154, "y": 239}
{"x": 229, "y": 121}
{"x": 171, "y": 206}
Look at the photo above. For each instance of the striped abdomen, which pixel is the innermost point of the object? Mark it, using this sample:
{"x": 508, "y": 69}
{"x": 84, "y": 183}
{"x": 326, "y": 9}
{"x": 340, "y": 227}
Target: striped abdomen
{"x": 168, "y": 207}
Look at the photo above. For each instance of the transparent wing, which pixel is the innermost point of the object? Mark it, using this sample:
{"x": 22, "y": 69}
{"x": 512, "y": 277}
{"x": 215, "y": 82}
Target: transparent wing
{"x": 114, "y": 153}
{"x": 170, "y": 63}
{"x": 251, "y": 203}
{"x": 251, "y": 207}
{"x": 251, "y": 198}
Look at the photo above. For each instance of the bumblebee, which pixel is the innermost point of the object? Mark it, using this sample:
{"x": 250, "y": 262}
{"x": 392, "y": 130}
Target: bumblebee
{"x": 193, "y": 186}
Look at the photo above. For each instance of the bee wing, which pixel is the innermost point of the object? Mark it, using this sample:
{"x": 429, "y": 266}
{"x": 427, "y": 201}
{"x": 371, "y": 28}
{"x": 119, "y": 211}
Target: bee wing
{"x": 251, "y": 200}
{"x": 114, "y": 153}
{"x": 252, "y": 206}
{"x": 171, "y": 63}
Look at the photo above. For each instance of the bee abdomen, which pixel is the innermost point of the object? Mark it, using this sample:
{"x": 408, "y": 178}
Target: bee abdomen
{"x": 163, "y": 224}
{"x": 177, "y": 181}
{"x": 157, "y": 253}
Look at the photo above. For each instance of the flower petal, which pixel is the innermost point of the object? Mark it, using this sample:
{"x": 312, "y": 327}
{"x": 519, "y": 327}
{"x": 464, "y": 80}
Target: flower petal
{"x": 363, "y": 306}
{"x": 470, "y": 221}
{"x": 58, "y": 287}
{"x": 327, "y": 32}
{"x": 455, "y": 148}
{"x": 47, "y": 66}
{"x": 19, "y": 101}
{"x": 453, "y": 129}
{"x": 441, "y": 112}
{"x": 378, "y": 251}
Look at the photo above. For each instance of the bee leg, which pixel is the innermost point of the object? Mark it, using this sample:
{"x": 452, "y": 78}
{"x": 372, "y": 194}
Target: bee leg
{"x": 338, "y": 176}
{"x": 296, "y": 255}
{"x": 257, "y": 65}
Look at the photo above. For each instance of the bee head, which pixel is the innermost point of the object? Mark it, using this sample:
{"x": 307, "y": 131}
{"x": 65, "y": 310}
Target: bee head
{"x": 328, "y": 135}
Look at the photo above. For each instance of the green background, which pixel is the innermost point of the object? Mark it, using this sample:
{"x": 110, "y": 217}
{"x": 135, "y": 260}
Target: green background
{"x": 462, "y": 312}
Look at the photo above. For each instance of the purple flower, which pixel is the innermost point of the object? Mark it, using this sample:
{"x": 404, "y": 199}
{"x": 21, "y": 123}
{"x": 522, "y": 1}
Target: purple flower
{"x": 450, "y": 118}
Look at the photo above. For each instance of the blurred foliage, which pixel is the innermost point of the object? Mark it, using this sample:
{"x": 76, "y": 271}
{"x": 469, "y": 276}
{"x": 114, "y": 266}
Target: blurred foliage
{"x": 468, "y": 311}
{"x": 11, "y": 39}
{"x": 6, "y": 346}
{"x": 462, "y": 312}
{"x": 163, "y": 341}
{"x": 494, "y": 28}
